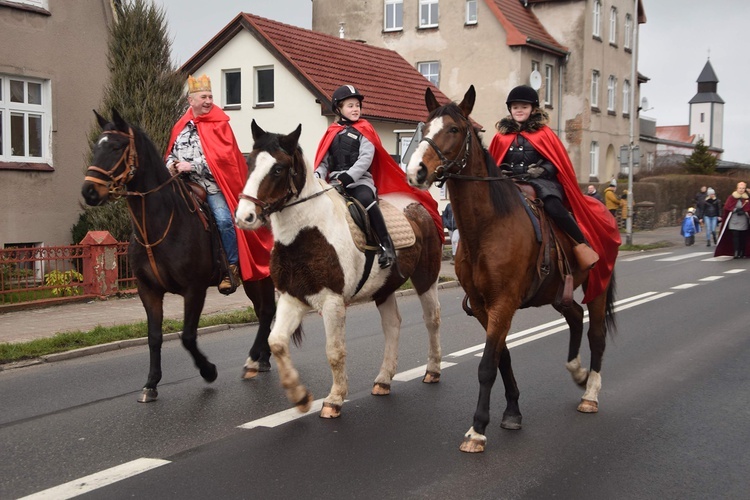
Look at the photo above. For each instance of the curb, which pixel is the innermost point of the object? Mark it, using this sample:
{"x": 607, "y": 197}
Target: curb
{"x": 123, "y": 344}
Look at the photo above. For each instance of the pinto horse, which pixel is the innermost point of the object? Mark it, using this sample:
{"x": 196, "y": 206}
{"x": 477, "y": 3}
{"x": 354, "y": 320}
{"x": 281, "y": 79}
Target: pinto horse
{"x": 171, "y": 249}
{"x": 316, "y": 265}
{"x": 497, "y": 260}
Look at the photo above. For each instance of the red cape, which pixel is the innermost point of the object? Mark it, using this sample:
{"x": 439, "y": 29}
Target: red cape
{"x": 596, "y": 222}
{"x": 229, "y": 168}
{"x": 387, "y": 175}
{"x": 725, "y": 243}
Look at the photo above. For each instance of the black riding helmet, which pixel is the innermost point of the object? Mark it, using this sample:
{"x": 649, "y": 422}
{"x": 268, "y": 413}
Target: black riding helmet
{"x": 342, "y": 93}
{"x": 523, "y": 93}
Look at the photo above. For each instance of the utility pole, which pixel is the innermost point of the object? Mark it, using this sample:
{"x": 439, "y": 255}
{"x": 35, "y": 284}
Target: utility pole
{"x": 633, "y": 108}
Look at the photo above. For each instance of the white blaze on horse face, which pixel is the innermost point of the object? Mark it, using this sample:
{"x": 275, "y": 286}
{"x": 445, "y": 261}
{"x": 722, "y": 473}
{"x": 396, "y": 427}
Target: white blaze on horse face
{"x": 413, "y": 168}
{"x": 245, "y": 214}
{"x": 102, "y": 140}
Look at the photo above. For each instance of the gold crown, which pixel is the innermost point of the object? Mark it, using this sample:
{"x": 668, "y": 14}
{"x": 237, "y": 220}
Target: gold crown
{"x": 200, "y": 84}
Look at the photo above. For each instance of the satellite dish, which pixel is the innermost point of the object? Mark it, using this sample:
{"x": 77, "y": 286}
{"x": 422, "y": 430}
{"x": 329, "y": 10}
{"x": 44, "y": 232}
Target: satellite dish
{"x": 644, "y": 104}
{"x": 535, "y": 80}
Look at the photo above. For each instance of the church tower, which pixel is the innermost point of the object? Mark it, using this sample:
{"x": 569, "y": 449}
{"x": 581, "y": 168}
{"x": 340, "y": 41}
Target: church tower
{"x": 707, "y": 110}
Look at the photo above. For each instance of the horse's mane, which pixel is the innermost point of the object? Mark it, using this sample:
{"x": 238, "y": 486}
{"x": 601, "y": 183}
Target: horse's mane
{"x": 503, "y": 194}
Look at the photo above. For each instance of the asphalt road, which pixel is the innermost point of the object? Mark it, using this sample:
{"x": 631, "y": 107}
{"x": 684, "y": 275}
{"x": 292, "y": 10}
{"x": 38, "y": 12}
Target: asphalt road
{"x": 672, "y": 421}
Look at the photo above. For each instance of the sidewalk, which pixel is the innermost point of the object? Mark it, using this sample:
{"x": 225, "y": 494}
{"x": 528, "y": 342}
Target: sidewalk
{"x": 23, "y": 326}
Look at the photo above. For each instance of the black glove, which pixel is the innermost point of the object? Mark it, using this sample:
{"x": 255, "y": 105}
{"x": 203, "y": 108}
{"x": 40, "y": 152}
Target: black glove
{"x": 535, "y": 171}
{"x": 336, "y": 184}
{"x": 344, "y": 179}
{"x": 738, "y": 210}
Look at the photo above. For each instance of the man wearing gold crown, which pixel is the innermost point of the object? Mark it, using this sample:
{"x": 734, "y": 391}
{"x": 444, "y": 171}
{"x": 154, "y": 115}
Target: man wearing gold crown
{"x": 202, "y": 145}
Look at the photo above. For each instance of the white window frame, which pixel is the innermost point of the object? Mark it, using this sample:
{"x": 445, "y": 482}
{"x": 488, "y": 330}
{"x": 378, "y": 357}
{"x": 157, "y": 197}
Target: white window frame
{"x": 597, "y": 19}
{"x": 611, "y": 93}
{"x": 613, "y": 25}
{"x": 628, "y": 31}
{"x": 626, "y": 97}
{"x": 594, "y": 159}
{"x": 427, "y": 10}
{"x": 394, "y": 6}
{"x": 225, "y": 84}
{"x": 41, "y": 4}
{"x": 256, "y": 85}
{"x": 548, "y": 84}
{"x": 431, "y": 71}
{"x": 595, "y": 88}
{"x": 471, "y": 12}
{"x": 42, "y": 111}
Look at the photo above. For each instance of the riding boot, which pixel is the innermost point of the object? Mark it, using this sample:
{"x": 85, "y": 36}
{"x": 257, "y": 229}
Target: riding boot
{"x": 388, "y": 254}
{"x": 713, "y": 235}
{"x": 585, "y": 255}
{"x": 231, "y": 281}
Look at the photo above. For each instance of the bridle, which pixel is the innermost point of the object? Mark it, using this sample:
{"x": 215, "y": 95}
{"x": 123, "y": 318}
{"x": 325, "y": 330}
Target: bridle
{"x": 268, "y": 208}
{"x": 443, "y": 171}
{"x": 116, "y": 184}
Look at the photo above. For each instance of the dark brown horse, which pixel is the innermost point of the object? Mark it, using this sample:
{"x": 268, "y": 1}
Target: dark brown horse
{"x": 498, "y": 260}
{"x": 171, "y": 249}
{"x": 316, "y": 265}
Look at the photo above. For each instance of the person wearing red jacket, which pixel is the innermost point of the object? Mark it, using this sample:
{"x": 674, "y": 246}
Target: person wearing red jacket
{"x": 736, "y": 217}
{"x": 352, "y": 155}
{"x": 203, "y": 147}
{"x": 530, "y": 150}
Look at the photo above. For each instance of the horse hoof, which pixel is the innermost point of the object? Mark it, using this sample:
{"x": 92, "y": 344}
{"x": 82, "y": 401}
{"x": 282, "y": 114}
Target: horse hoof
{"x": 511, "y": 422}
{"x": 587, "y": 406}
{"x": 304, "y": 404}
{"x": 264, "y": 366}
{"x": 148, "y": 395}
{"x": 209, "y": 372}
{"x": 431, "y": 378}
{"x": 381, "y": 389}
{"x": 249, "y": 372}
{"x": 473, "y": 445}
{"x": 330, "y": 410}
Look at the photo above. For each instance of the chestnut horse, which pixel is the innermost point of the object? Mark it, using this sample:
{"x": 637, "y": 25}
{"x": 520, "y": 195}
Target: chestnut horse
{"x": 497, "y": 261}
{"x": 316, "y": 265}
{"x": 171, "y": 250}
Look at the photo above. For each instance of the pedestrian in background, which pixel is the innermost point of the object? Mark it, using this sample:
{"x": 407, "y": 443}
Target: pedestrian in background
{"x": 736, "y": 210}
{"x": 449, "y": 223}
{"x": 611, "y": 199}
{"x": 709, "y": 214}
{"x": 690, "y": 226}
{"x": 594, "y": 193}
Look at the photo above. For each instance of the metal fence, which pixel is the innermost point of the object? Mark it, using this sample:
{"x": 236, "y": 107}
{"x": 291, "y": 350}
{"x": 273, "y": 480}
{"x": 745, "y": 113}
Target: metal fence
{"x": 47, "y": 275}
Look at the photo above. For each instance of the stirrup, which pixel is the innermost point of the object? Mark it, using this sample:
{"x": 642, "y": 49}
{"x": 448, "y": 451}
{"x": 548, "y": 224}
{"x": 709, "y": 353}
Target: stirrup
{"x": 387, "y": 256}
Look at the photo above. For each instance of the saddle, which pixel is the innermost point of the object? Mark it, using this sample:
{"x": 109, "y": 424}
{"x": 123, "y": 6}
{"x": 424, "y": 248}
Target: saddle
{"x": 549, "y": 236}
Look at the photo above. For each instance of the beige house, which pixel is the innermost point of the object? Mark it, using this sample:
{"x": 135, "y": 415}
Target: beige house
{"x": 53, "y": 69}
{"x": 282, "y": 75}
{"x": 577, "y": 53}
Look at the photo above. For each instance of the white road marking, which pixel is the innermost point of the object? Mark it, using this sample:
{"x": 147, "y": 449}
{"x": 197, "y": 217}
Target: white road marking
{"x": 283, "y": 417}
{"x": 684, "y": 286}
{"x": 418, "y": 372}
{"x": 734, "y": 271}
{"x": 721, "y": 258}
{"x": 646, "y": 256}
{"x": 711, "y": 278}
{"x": 97, "y": 480}
{"x": 684, "y": 256}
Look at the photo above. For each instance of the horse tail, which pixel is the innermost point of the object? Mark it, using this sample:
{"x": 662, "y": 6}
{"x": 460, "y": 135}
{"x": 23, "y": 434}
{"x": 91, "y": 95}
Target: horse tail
{"x": 609, "y": 308}
{"x": 297, "y": 336}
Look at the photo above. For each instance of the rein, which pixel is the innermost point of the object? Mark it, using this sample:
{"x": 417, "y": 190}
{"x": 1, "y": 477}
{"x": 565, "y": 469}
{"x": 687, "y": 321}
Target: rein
{"x": 268, "y": 208}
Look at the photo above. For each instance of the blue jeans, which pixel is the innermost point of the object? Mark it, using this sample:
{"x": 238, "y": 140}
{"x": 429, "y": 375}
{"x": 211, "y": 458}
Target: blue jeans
{"x": 710, "y": 224}
{"x": 225, "y": 223}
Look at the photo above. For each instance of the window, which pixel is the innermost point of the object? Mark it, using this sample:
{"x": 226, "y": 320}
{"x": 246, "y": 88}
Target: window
{"x": 264, "y": 86}
{"x": 471, "y": 11}
{"x": 595, "y": 89}
{"x": 611, "y": 91}
{"x": 24, "y": 119}
{"x": 597, "y": 20}
{"x": 394, "y": 15}
{"x": 626, "y": 97}
{"x": 548, "y": 84}
{"x": 628, "y": 30}
{"x": 594, "y": 159}
{"x": 428, "y": 13}
{"x": 613, "y": 26}
{"x": 232, "y": 86}
{"x": 431, "y": 71}
{"x": 703, "y": 117}
{"x": 534, "y": 66}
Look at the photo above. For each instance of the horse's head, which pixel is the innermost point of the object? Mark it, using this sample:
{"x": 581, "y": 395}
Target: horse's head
{"x": 276, "y": 175}
{"x": 446, "y": 141}
{"x": 114, "y": 160}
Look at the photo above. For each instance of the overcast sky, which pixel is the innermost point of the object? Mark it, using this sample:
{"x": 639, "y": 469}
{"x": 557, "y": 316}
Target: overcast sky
{"x": 674, "y": 46}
